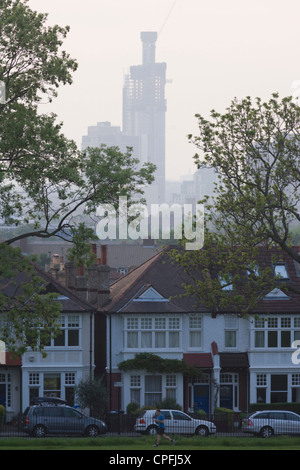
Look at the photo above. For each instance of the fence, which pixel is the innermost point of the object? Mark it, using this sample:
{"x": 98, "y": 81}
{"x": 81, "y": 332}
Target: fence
{"x": 122, "y": 424}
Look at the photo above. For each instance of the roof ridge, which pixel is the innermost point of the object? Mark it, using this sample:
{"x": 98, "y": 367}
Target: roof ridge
{"x": 149, "y": 261}
{"x": 61, "y": 287}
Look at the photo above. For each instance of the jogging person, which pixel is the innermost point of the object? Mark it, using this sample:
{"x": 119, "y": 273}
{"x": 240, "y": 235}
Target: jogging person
{"x": 160, "y": 420}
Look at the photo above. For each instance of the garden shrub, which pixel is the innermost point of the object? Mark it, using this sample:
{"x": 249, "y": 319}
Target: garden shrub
{"x": 132, "y": 408}
{"x": 229, "y": 415}
{"x": 170, "y": 404}
{"x": 2, "y": 415}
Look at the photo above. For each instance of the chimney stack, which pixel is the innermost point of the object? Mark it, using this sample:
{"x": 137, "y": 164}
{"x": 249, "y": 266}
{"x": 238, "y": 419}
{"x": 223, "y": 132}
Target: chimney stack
{"x": 94, "y": 285}
{"x": 81, "y": 284}
{"x": 71, "y": 272}
{"x": 99, "y": 279}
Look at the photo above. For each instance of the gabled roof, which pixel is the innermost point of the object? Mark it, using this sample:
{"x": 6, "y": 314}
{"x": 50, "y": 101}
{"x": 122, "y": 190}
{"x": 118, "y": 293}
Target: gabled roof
{"x": 157, "y": 275}
{"x": 69, "y": 300}
{"x": 281, "y": 300}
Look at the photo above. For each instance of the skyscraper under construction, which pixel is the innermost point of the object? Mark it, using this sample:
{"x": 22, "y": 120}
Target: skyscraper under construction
{"x": 144, "y": 111}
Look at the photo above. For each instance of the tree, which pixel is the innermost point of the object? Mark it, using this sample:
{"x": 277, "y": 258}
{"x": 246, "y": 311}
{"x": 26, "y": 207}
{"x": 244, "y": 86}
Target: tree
{"x": 45, "y": 180}
{"x": 255, "y": 152}
{"x": 46, "y": 184}
{"x": 91, "y": 393}
{"x": 29, "y": 315}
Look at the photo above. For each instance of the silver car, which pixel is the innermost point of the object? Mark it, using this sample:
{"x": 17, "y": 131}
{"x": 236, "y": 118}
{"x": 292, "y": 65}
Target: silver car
{"x": 60, "y": 419}
{"x": 269, "y": 422}
{"x": 176, "y": 422}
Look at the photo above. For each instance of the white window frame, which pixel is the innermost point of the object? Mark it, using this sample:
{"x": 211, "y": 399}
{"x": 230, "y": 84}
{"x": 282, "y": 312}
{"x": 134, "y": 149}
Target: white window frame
{"x": 195, "y": 331}
{"x": 68, "y": 322}
{"x": 279, "y": 327}
{"x": 231, "y": 326}
{"x": 152, "y": 332}
{"x": 5, "y": 379}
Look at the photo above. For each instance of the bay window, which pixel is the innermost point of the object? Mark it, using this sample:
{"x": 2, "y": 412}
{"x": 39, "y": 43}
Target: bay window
{"x": 276, "y": 332}
{"x": 150, "y": 389}
{"x": 152, "y": 332}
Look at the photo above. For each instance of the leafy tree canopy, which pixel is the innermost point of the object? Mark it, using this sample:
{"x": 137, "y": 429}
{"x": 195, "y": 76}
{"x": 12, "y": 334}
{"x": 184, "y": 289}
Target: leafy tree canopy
{"x": 91, "y": 393}
{"x": 46, "y": 183}
{"x": 254, "y": 148}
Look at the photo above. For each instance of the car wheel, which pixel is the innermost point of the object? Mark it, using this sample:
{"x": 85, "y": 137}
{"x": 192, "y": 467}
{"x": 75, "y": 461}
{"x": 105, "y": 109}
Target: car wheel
{"x": 201, "y": 431}
{"x": 266, "y": 431}
{"x": 39, "y": 431}
{"x": 151, "y": 430}
{"x": 92, "y": 431}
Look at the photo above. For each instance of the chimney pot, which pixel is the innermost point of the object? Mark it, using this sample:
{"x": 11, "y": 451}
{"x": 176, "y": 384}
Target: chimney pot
{"x": 103, "y": 254}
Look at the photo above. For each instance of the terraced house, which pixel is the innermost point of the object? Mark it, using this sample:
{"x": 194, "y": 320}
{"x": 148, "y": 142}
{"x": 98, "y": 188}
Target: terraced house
{"x": 153, "y": 343}
{"x": 69, "y": 356}
{"x": 240, "y": 360}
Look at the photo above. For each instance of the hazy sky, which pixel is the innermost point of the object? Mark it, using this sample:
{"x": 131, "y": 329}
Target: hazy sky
{"x": 215, "y": 50}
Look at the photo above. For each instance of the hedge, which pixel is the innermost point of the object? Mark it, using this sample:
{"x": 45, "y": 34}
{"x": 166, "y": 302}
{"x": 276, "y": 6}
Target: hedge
{"x": 2, "y": 415}
{"x": 295, "y": 407}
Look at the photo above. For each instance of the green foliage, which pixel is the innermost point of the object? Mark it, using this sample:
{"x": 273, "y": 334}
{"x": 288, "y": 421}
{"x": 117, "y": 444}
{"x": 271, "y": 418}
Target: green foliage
{"x": 292, "y": 406}
{"x": 2, "y": 415}
{"x": 153, "y": 363}
{"x": 29, "y": 315}
{"x": 167, "y": 403}
{"x": 46, "y": 184}
{"x": 254, "y": 149}
{"x": 132, "y": 408}
{"x": 223, "y": 410}
{"x": 91, "y": 393}
{"x": 201, "y": 413}
{"x": 223, "y": 277}
{"x": 80, "y": 252}
{"x": 170, "y": 404}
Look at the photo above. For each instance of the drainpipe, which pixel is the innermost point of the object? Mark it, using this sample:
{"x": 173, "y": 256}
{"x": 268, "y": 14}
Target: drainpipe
{"x": 110, "y": 365}
{"x": 91, "y": 342}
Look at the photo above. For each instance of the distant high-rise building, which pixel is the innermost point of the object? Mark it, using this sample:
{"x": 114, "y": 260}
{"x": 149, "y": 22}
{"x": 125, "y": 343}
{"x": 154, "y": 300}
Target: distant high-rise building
{"x": 144, "y": 110}
{"x": 105, "y": 133}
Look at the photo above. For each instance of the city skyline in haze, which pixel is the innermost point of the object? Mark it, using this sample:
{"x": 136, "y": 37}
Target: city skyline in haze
{"x": 215, "y": 51}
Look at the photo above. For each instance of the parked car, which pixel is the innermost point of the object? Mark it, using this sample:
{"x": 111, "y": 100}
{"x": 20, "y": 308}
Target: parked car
{"x": 40, "y": 420}
{"x": 48, "y": 400}
{"x": 269, "y": 422}
{"x": 176, "y": 422}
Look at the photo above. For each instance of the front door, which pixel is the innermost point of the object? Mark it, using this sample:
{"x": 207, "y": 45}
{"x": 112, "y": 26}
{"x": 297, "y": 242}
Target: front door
{"x": 226, "y": 396}
{"x": 201, "y": 397}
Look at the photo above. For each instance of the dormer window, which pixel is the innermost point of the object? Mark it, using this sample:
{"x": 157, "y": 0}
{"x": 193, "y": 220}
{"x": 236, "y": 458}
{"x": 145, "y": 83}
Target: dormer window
{"x": 253, "y": 272}
{"x": 280, "y": 272}
{"x": 225, "y": 284}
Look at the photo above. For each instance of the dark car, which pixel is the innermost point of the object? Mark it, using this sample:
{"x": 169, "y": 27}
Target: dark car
{"x": 40, "y": 420}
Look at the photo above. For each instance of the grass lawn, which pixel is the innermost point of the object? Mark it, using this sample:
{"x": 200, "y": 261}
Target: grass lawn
{"x": 144, "y": 443}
